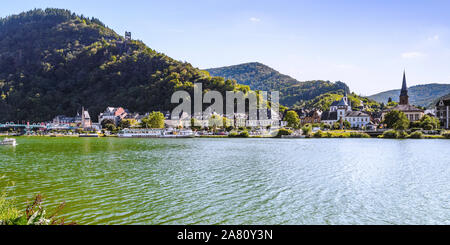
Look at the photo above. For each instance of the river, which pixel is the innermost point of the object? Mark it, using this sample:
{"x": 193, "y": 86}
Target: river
{"x": 234, "y": 181}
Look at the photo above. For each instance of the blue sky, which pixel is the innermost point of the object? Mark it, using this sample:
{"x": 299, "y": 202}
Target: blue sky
{"x": 366, "y": 44}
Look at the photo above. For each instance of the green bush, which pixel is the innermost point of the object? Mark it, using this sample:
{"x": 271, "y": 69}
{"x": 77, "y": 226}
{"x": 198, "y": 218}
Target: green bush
{"x": 390, "y": 134}
{"x": 415, "y": 130}
{"x": 8, "y": 210}
{"x": 35, "y": 214}
{"x": 319, "y": 134}
{"x": 446, "y": 134}
{"x": 402, "y": 135}
{"x": 416, "y": 135}
{"x": 359, "y": 135}
{"x": 307, "y": 129}
{"x": 244, "y": 134}
{"x": 233, "y": 135}
{"x": 283, "y": 132}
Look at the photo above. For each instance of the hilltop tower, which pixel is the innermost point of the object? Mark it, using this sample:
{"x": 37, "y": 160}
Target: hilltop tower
{"x": 128, "y": 36}
{"x": 404, "y": 98}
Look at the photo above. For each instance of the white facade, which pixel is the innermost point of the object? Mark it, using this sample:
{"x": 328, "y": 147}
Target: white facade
{"x": 358, "y": 121}
{"x": 342, "y": 111}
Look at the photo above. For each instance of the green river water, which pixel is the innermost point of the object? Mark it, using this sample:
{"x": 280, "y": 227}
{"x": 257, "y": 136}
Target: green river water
{"x": 234, "y": 181}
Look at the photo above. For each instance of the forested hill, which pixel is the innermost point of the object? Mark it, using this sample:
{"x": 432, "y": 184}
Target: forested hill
{"x": 53, "y": 62}
{"x": 421, "y": 95}
{"x": 261, "y": 77}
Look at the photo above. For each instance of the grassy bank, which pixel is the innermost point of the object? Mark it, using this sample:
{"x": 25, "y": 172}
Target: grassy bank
{"x": 339, "y": 134}
{"x": 401, "y": 134}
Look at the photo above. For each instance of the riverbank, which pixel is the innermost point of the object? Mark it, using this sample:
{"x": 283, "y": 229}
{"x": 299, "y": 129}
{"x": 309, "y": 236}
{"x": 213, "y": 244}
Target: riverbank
{"x": 323, "y": 135}
{"x": 286, "y": 134}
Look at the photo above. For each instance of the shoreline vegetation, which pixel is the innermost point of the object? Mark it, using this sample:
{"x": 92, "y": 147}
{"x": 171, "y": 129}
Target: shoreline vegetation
{"x": 34, "y": 214}
{"x": 289, "y": 134}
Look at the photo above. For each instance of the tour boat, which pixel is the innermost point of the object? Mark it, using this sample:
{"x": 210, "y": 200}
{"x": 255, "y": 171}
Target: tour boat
{"x": 155, "y": 133}
{"x": 8, "y": 141}
{"x": 89, "y": 136}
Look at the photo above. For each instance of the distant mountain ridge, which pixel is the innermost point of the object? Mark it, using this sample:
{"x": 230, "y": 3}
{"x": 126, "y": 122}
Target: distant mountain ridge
{"x": 262, "y": 77}
{"x": 420, "y": 95}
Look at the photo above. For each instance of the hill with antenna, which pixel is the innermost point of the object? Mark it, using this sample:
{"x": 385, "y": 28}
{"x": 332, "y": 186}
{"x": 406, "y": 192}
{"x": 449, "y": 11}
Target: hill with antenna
{"x": 54, "y": 61}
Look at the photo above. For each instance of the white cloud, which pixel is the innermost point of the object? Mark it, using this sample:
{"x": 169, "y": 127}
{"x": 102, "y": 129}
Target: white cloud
{"x": 412, "y": 55}
{"x": 434, "y": 38}
{"x": 254, "y": 19}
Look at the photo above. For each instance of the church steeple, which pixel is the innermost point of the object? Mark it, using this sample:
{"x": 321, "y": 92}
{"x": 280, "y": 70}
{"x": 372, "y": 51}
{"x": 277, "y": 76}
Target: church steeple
{"x": 404, "y": 98}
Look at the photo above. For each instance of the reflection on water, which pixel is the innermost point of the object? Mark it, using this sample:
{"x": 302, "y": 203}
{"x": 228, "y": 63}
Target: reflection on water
{"x": 235, "y": 181}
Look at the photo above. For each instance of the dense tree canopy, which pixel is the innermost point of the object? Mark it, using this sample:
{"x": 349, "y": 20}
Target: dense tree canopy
{"x": 53, "y": 62}
{"x": 396, "y": 120}
{"x": 292, "y": 119}
{"x": 153, "y": 120}
{"x": 427, "y": 122}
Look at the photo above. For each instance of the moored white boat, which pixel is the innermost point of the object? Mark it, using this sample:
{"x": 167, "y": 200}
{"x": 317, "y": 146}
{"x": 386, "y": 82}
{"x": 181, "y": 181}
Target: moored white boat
{"x": 155, "y": 133}
{"x": 8, "y": 141}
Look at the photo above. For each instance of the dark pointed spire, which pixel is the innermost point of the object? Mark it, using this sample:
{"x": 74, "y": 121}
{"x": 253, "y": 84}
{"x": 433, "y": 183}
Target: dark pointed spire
{"x": 404, "y": 86}
{"x": 404, "y": 98}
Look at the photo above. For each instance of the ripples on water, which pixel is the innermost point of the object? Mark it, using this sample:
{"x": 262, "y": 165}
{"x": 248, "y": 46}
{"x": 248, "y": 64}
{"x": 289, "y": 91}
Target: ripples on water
{"x": 235, "y": 181}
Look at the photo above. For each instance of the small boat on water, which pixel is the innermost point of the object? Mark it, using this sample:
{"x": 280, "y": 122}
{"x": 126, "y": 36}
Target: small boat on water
{"x": 8, "y": 141}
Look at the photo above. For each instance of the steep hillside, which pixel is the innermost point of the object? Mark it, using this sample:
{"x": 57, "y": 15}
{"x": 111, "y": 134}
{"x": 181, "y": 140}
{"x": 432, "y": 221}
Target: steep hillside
{"x": 324, "y": 101}
{"x": 261, "y": 77}
{"x": 53, "y": 62}
{"x": 421, "y": 95}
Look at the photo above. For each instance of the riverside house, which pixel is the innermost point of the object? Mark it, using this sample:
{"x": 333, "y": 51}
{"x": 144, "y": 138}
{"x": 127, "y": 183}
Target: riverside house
{"x": 443, "y": 112}
{"x": 114, "y": 114}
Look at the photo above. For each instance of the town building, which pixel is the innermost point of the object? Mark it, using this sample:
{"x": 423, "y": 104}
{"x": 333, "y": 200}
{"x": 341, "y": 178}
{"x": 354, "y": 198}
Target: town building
{"x": 341, "y": 110}
{"x": 62, "y": 119}
{"x": 412, "y": 113}
{"x": 113, "y": 114}
{"x": 86, "y": 122}
{"x": 82, "y": 120}
{"x": 443, "y": 112}
{"x": 311, "y": 117}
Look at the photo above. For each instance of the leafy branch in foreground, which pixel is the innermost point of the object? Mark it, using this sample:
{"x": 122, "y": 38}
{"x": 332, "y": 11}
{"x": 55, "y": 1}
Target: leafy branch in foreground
{"x": 35, "y": 213}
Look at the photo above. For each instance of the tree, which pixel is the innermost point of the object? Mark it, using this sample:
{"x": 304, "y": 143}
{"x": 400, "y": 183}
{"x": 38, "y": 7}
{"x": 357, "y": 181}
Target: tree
{"x": 336, "y": 126}
{"x": 110, "y": 127}
{"x": 292, "y": 119}
{"x": 215, "y": 121}
{"x": 396, "y": 120}
{"x": 325, "y": 126}
{"x": 392, "y": 104}
{"x": 429, "y": 123}
{"x": 153, "y": 120}
{"x": 107, "y": 121}
{"x": 347, "y": 124}
{"x": 125, "y": 123}
{"x": 390, "y": 100}
{"x": 307, "y": 129}
{"x": 194, "y": 122}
